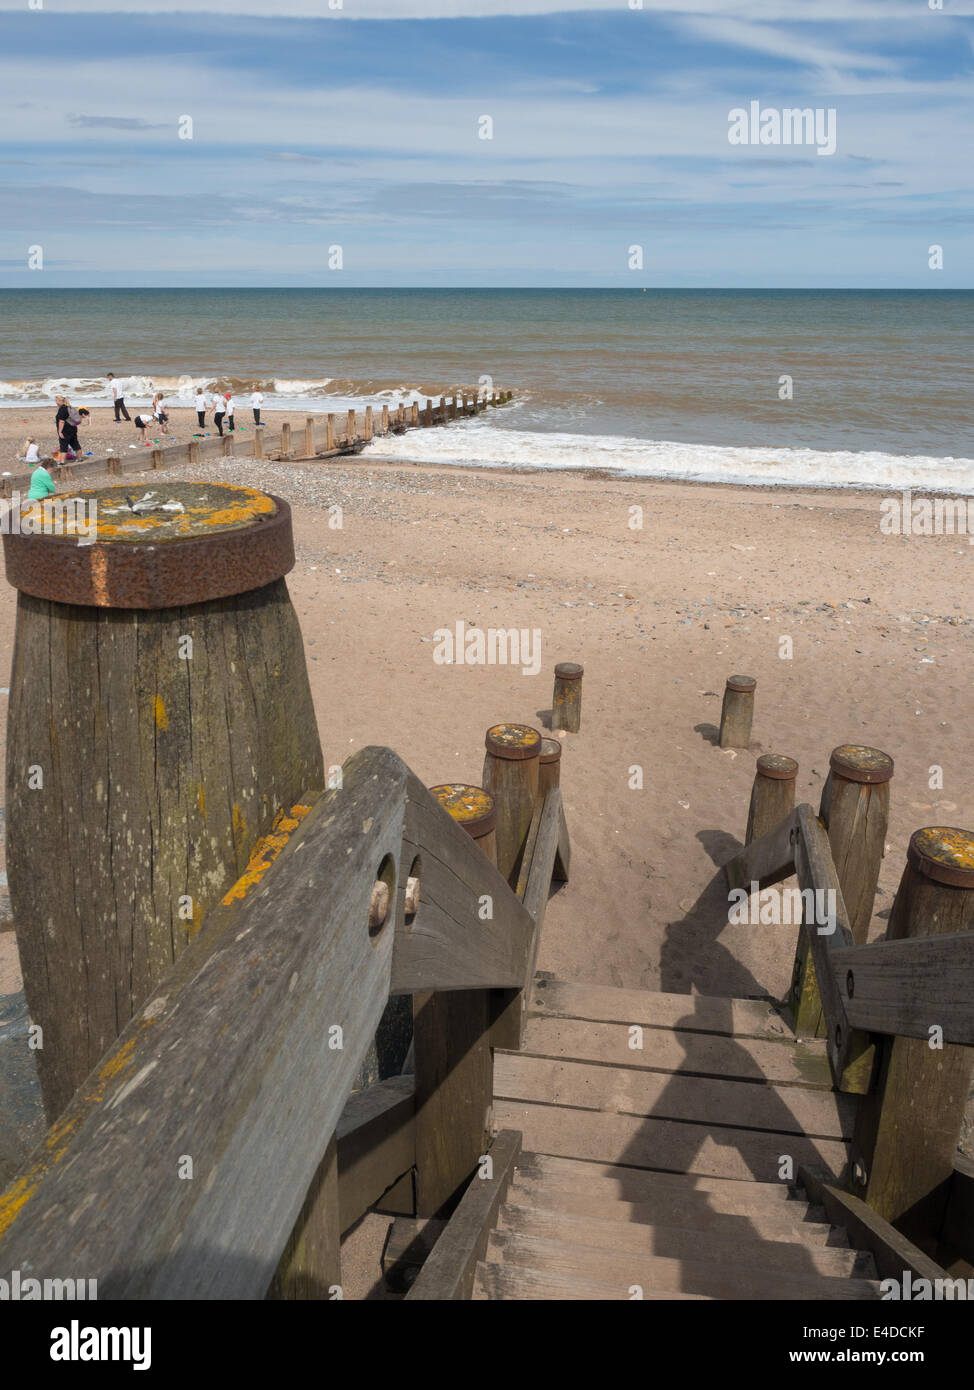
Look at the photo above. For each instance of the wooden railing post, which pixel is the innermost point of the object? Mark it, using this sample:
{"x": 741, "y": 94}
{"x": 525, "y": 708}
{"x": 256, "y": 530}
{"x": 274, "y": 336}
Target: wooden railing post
{"x": 511, "y": 776}
{"x": 451, "y": 1049}
{"x": 737, "y": 712}
{"x": 855, "y": 812}
{"x": 330, "y": 432}
{"x": 566, "y": 699}
{"x": 772, "y": 794}
{"x": 549, "y": 766}
{"x": 907, "y": 1128}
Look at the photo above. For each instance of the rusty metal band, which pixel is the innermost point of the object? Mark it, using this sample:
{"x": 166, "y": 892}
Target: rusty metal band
{"x": 944, "y": 854}
{"x": 857, "y": 763}
{"x": 778, "y": 766}
{"x": 512, "y": 741}
{"x": 169, "y": 574}
{"x": 744, "y": 684}
{"x": 569, "y": 671}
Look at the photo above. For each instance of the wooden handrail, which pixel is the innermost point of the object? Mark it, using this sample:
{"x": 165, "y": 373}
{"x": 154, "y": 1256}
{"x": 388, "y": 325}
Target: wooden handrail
{"x": 907, "y": 987}
{"x": 180, "y": 1167}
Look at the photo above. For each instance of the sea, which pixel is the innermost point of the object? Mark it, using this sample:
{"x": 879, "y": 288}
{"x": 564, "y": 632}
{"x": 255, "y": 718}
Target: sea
{"x": 760, "y": 387}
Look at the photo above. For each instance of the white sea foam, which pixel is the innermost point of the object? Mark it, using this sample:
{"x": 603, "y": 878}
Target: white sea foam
{"x": 487, "y": 446}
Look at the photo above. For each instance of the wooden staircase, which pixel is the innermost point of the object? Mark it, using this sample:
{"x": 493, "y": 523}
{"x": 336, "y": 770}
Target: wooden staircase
{"x": 662, "y": 1136}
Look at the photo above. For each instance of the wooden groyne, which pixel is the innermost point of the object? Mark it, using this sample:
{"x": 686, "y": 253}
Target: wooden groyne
{"x": 323, "y": 437}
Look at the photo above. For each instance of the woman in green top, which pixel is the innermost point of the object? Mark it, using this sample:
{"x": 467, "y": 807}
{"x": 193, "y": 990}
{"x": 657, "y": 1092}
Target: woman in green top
{"x": 41, "y": 484}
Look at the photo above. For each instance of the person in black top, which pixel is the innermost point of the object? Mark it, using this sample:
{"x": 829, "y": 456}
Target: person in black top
{"x": 67, "y": 429}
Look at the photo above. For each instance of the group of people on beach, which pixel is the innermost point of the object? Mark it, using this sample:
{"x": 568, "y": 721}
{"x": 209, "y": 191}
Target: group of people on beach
{"x": 223, "y": 409}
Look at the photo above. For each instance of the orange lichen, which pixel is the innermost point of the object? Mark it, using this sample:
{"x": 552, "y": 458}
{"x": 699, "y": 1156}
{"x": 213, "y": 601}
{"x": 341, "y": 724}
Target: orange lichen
{"x": 266, "y": 850}
{"x": 159, "y": 712}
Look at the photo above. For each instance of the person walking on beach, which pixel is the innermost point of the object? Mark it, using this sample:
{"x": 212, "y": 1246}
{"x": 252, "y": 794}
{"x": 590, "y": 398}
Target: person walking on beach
{"x": 201, "y": 407}
{"x": 118, "y": 398}
{"x": 256, "y": 401}
{"x": 67, "y": 421}
{"x": 229, "y": 408}
{"x": 160, "y": 412}
{"x": 219, "y": 410}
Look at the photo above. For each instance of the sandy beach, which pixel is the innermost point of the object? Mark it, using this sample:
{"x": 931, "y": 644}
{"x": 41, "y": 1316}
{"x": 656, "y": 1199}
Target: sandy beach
{"x": 715, "y": 579}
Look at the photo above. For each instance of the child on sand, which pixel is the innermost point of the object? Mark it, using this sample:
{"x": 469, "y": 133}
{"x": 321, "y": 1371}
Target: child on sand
{"x": 256, "y": 401}
{"x": 31, "y": 453}
{"x": 160, "y": 412}
{"x": 142, "y": 423}
{"x": 201, "y": 407}
{"x": 219, "y": 410}
{"x": 229, "y": 408}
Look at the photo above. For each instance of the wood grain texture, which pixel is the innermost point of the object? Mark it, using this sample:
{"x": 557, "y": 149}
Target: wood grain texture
{"x": 766, "y": 860}
{"x": 311, "y": 1266}
{"x": 448, "y": 1274}
{"x": 856, "y": 817}
{"x": 228, "y": 1063}
{"x": 772, "y": 800}
{"x": 513, "y": 783}
{"x": 906, "y": 987}
{"x": 736, "y": 714}
{"x": 376, "y": 1145}
{"x": 159, "y": 776}
{"x": 699, "y": 1013}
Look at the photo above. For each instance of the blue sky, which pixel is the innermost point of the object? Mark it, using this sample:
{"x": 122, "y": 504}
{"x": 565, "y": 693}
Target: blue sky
{"x": 358, "y": 127}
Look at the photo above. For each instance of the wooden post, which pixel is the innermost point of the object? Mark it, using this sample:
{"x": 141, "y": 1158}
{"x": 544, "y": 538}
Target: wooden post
{"x": 330, "y": 432}
{"x": 311, "y": 1266}
{"x": 156, "y": 457}
{"x": 184, "y": 727}
{"x": 367, "y": 428}
{"x": 258, "y": 444}
{"x": 549, "y": 766}
{"x": 453, "y": 405}
{"x": 907, "y": 1128}
{"x": 772, "y": 795}
{"x": 414, "y": 413}
{"x": 351, "y": 428}
{"x": 401, "y": 414}
{"x": 466, "y": 404}
{"x": 451, "y": 1048}
{"x": 428, "y": 413}
{"x": 111, "y": 462}
{"x": 193, "y": 452}
{"x": 855, "y": 812}
{"x": 511, "y": 777}
{"x": 285, "y": 440}
{"x": 737, "y": 712}
{"x": 309, "y": 436}
{"x": 385, "y": 419}
{"x": 566, "y": 700}
{"x": 441, "y": 413}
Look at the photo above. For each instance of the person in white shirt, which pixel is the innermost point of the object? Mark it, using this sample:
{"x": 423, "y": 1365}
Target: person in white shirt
{"x": 118, "y": 398}
{"x": 31, "y": 454}
{"x": 201, "y": 407}
{"x": 229, "y": 400}
{"x": 219, "y": 410}
{"x": 159, "y": 410}
{"x": 256, "y": 401}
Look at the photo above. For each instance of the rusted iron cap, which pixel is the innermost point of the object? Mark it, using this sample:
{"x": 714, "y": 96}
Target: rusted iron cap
{"x": 569, "y": 671}
{"x": 856, "y": 763}
{"x": 513, "y": 741}
{"x": 943, "y": 853}
{"x": 550, "y": 751}
{"x": 163, "y": 546}
{"x": 778, "y": 766}
{"x": 470, "y": 807}
{"x": 743, "y": 683}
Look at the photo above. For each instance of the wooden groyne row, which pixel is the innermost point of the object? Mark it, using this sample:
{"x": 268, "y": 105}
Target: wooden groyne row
{"x": 323, "y": 437}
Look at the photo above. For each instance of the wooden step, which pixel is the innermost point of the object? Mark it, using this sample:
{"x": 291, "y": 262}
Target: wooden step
{"x": 700, "y": 1211}
{"x": 801, "y": 1063}
{"x": 521, "y": 1284}
{"x": 628, "y": 1269}
{"x": 667, "y": 1096}
{"x": 632, "y": 1184}
{"x": 670, "y": 1145}
{"x": 685, "y": 1243}
{"x": 739, "y": 1018}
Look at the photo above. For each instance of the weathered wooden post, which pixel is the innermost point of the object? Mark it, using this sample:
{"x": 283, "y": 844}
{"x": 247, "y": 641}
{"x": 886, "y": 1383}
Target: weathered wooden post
{"x": 511, "y": 778}
{"x": 385, "y": 419}
{"x": 453, "y": 405}
{"x": 351, "y": 428}
{"x": 258, "y": 444}
{"x": 193, "y": 451}
{"x": 330, "y": 432}
{"x": 772, "y": 794}
{"x": 428, "y": 413}
{"x": 285, "y": 440}
{"x": 566, "y": 699}
{"x": 227, "y": 445}
{"x": 737, "y": 712}
{"x": 908, "y": 1126}
{"x": 451, "y": 1048}
{"x": 414, "y": 414}
{"x": 441, "y": 411}
{"x": 549, "y": 766}
{"x": 466, "y": 404}
{"x": 156, "y": 460}
{"x": 855, "y": 812}
{"x": 111, "y": 462}
{"x": 367, "y": 428}
{"x": 401, "y": 414}
{"x": 309, "y": 436}
{"x": 160, "y": 717}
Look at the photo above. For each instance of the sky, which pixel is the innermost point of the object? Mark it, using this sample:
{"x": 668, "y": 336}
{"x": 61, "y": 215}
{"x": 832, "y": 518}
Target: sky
{"x": 345, "y": 146}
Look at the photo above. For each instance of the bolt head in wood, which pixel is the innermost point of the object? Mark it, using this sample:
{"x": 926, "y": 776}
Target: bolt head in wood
{"x": 778, "y": 766}
{"x": 857, "y": 763}
{"x": 471, "y": 807}
{"x": 512, "y": 741}
{"x": 569, "y": 671}
{"x": 944, "y": 854}
{"x": 745, "y": 684}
